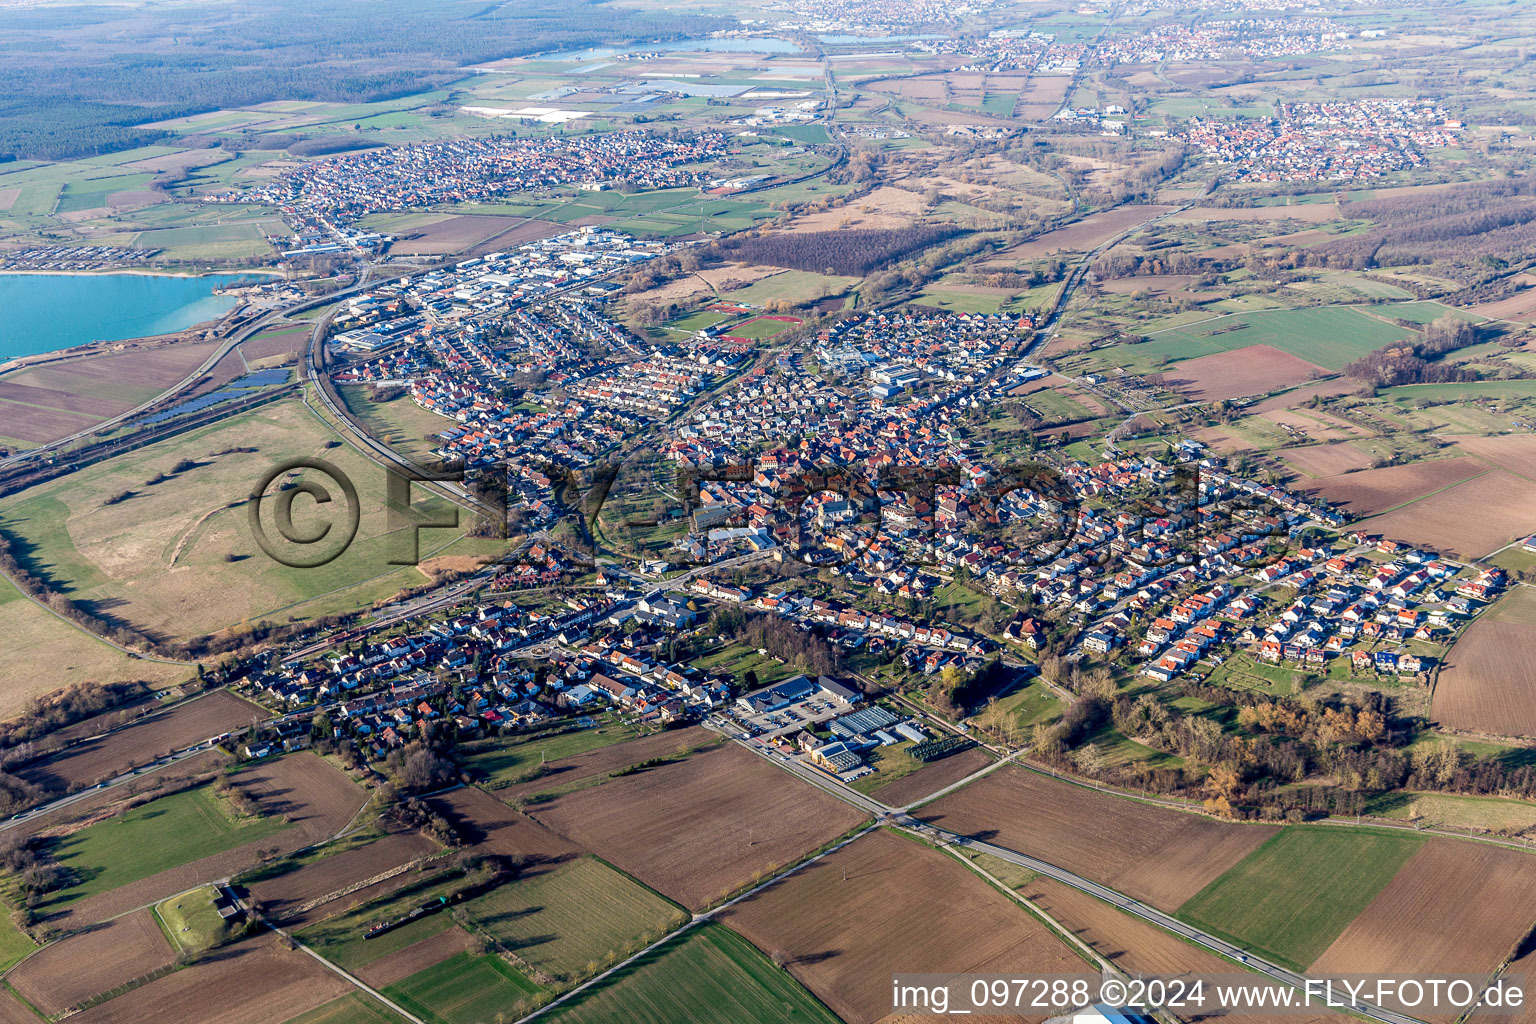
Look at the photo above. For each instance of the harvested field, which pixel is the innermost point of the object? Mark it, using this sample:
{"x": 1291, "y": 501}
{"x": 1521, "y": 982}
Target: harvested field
{"x": 568, "y": 770}
{"x": 1042, "y": 97}
{"x": 53, "y": 399}
{"x": 1089, "y": 233}
{"x": 1293, "y": 399}
{"x": 1312, "y": 213}
{"x": 13, "y": 1012}
{"x": 1134, "y": 945}
{"x": 317, "y": 799}
{"x": 1504, "y": 507}
{"x": 1373, "y": 491}
{"x": 1521, "y": 306}
{"x": 418, "y": 956}
{"x": 1488, "y": 682}
{"x": 81, "y": 966}
{"x": 1155, "y": 854}
{"x": 253, "y": 983}
{"x": 1456, "y": 907}
{"x": 144, "y": 741}
{"x": 1318, "y": 426}
{"x": 284, "y": 895}
{"x": 886, "y": 904}
{"x": 1513, "y": 452}
{"x": 883, "y": 207}
{"x": 1327, "y": 460}
{"x": 699, "y": 829}
{"x": 1255, "y": 370}
{"x": 496, "y": 828}
{"x": 931, "y": 778}
{"x": 458, "y": 233}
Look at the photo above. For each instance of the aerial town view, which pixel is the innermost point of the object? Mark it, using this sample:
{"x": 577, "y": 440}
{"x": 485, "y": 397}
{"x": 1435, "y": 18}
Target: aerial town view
{"x": 767, "y": 511}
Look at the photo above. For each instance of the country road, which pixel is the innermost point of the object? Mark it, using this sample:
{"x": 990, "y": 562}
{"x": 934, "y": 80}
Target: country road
{"x": 1113, "y": 897}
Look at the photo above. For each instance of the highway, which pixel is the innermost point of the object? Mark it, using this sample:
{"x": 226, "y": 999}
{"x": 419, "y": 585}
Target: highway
{"x": 1113, "y": 897}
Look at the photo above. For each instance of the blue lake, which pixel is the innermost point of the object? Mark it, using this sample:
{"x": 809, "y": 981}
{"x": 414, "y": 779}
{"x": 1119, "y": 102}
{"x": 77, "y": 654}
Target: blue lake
{"x": 717, "y": 45}
{"x": 47, "y": 312}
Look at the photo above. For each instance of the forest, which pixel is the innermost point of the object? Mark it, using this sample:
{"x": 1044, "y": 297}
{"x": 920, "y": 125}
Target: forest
{"x": 79, "y": 79}
{"x": 852, "y": 252}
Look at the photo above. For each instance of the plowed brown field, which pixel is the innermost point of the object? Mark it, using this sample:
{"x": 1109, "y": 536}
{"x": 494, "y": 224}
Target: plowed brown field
{"x": 887, "y": 905}
{"x": 245, "y": 984}
{"x": 496, "y": 828}
{"x": 1133, "y": 945}
{"x": 1488, "y": 683}
{"x": 1374, "y": 490}
{"x": 699, "y": 829}
{"x": 418, "y": 956}
{"x": 81, "y": 966}
{"x": 283, "y": 895}
{"x": 561, "y": 773}
{"x": 1454, "y": 907}
{"x": 1155, "y": 854}
{"x": 1255, "y": 370}
{"x": 116, "y": 752}
{"x": 1469, "y": 520}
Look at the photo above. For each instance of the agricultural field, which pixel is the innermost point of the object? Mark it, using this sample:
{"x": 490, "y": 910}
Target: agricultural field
{"x": 699, "y": 829}
{"x": 1440, "y": 520}
{"x": 175, "y": 556}
{"x": 1488, "y": 683}
{"x": 580, "y": 915}
{"x": 156, "y": 837}
{"x": 155, "y": 736}
{"x": 1255, "y": 370}
{"x": 353, "y": 1008}
{"x": 302, "y": 894}
{"x": 82, "y": 966}
{"x": 1294, "y": 895}
{"x": 1152, "y": 853}
{"x": 190, "y": 837}
{"x": 45, "y": 401}
{"x": 886, "y": 903}
{"x": 1132, "y": 944}
{"x": 921, "y": 781}
{"x": 1327, "y": 336}
{"x": 36, "y": 636}
{"x": 1453, "y": 906}
{"x": 466, "y": 988}
{"x": 256, "y": 981}
{"x": 1370, "y": 492}
{"x": 709, "y": 975}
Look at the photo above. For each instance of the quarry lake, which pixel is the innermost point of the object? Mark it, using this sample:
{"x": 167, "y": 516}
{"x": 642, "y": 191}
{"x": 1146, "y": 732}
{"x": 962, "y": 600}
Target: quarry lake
{"x": 48, "y": 312}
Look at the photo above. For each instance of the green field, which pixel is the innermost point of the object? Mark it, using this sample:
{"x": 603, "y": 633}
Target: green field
{"x": 761, "y": 328}
{"x": 507, "y": 760}
{"x": 354, "y": 1008}
{"x": 1463, "y": 390}
{"x": 1290, "y": 898}
{"x": 710, "y": 975}
{"x": 192, "y": 921}
{"x": 178, "y": 556}
{"x": 465, "y": 989}
{"x": 1329, "y": 336}
{"x": 154, "y": 837}
{"x": 14, "y": 944}
{"x": 571, "y": 921}
{"x": 340, "y": 939}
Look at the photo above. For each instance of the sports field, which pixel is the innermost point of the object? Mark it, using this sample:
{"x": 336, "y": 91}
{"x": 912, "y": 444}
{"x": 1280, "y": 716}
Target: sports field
{"x": 710, "y": 975}
{"x": 1291, "y": 897}
{"x": 1327, "y": 336}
